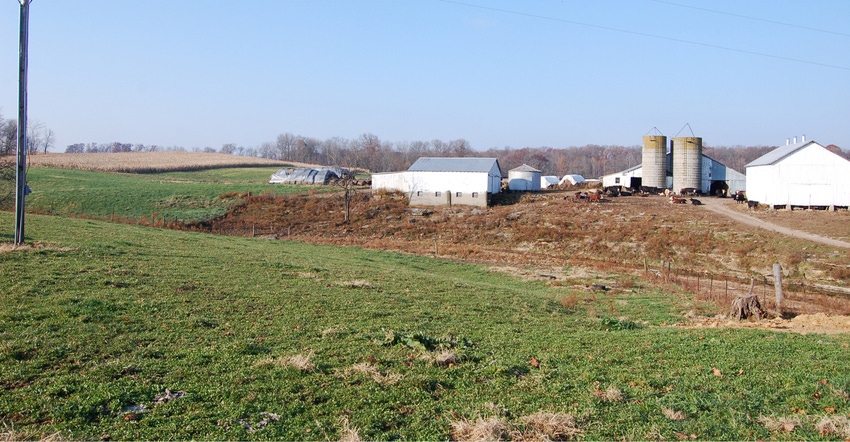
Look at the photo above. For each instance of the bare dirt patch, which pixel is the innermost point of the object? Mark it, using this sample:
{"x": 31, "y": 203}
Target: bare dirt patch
{"x": 819, "y": 323}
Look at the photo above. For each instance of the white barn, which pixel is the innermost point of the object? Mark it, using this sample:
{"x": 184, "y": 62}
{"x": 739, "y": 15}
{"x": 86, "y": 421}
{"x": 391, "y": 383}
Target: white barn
{"x": 432, "y": 181}
{"x": 629, "y": 178}
{"x": 803, "y": 174}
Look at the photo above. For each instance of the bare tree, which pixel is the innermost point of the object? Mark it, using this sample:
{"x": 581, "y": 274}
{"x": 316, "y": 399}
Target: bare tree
{"x": 285, "y": 144}
{"x": 229, "y": 148}
{"x": 8, "y": 137}
{"x": 7, "y": 182}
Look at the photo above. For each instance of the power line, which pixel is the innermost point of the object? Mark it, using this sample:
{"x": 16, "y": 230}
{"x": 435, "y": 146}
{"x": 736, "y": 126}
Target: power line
{"x": 714, "y": 11}
{"x": 644, "y": 34}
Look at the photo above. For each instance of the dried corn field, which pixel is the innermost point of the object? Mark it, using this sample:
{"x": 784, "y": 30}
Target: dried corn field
{"x": 148, "y": 162}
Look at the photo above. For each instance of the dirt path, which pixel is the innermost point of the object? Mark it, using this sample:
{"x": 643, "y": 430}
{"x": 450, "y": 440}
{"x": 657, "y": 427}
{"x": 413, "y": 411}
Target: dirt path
{"x": 721, "y": 207}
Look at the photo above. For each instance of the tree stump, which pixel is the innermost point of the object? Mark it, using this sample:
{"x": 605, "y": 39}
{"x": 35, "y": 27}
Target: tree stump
{"x": 746, "y": 307}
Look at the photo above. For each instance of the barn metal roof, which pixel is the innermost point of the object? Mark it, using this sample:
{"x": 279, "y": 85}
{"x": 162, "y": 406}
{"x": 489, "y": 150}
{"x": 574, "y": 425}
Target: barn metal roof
{"x": 779, "y": 153}
{"x": 440, "y": 164}
{"x": 524, "y": 168}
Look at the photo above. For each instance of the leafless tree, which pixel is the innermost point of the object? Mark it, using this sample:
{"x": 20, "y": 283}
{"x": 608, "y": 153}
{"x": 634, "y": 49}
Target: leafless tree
{"x": 7, "y": 181}
{"x": 8, "y": 136}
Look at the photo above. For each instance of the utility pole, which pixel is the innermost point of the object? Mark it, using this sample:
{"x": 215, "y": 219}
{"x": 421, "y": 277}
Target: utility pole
{"x": 21, "y": 175}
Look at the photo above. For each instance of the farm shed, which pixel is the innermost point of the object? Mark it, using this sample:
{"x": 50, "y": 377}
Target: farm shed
{"x": 308, "y": 175}
{"x": 524, "y": 178}
{"x": 435, "y": 181}
{"x": 803, "y": 174}
{"x": 629, "y": 178}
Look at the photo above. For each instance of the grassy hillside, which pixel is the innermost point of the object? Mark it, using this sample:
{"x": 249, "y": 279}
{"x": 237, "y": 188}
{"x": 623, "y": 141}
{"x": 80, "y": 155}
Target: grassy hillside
{"x": 261, "y": 339}
{"x": 170, "y": 196}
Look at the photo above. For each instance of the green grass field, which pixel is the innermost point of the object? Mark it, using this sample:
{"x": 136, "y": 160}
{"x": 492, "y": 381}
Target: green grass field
{"x": 170, "y": 196}
{"x": 288, "y": 341}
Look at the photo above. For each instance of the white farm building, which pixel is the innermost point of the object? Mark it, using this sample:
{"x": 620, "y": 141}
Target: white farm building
{"x": 803, "y": 174}
{"x": 432, "y": 181}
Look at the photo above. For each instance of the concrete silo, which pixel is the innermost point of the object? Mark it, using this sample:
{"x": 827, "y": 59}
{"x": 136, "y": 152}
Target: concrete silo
{"x": 654, "y": 161}
{"x": 687, "y": 163}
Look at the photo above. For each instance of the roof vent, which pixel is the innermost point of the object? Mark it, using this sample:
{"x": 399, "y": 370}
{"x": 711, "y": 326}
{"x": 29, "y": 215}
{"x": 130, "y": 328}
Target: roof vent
{"x": 795, "y": 140}
{"x": 804, "y": 138}
{"x": 787, "y": 141}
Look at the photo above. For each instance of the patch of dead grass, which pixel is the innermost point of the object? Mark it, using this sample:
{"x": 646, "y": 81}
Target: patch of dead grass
{"x": 549, "y": 426}
{"x": 349, "y": 433}
{"x": 834, "y": 426}
{"x": 782, "y": 423}
{"x": 300, "y": 362}
{"x": 673, "y": 415}
{"x": 610, "y": 394}
{"x": 9, "y": 434}
{"x": 356, "y": 284}
{"x": 481, "y": 429}
{"x": 371, "y": 371}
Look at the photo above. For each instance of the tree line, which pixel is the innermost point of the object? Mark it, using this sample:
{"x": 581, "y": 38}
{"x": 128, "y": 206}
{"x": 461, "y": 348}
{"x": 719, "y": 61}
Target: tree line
{"x": 40, "y": 138}
{"x": 371, "y": 153}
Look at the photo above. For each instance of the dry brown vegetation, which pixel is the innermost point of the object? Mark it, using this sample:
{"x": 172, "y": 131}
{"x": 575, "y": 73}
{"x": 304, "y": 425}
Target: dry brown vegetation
{"x": 683, "y": 247}
{"x": 147, "y": 162}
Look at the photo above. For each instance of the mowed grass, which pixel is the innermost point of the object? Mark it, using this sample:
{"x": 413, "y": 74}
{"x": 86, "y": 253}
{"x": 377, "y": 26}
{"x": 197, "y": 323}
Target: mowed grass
{"x": 169, "y": 196}
{"x": 263, "y": 339}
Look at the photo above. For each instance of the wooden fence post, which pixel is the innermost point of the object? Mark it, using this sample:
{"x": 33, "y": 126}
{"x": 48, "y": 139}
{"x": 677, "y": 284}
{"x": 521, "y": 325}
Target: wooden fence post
{"x": 777, "y": 281}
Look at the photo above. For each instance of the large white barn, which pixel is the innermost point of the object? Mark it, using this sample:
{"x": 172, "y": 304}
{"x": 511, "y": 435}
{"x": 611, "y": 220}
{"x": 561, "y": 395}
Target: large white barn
{"x": 433, "y": 181}
{"x": 803, "y": 174}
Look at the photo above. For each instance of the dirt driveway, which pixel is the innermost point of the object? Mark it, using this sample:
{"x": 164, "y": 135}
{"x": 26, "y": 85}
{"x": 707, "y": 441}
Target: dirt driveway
{"x": 726, "y": 207}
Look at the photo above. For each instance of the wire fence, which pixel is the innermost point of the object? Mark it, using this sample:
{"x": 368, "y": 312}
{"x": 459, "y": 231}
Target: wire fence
{"x": 797, "y": 297}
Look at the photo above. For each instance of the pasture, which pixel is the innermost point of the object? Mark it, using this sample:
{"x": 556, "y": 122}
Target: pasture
{"x": 166, "y": 196}
{"x": 122, "y": 331}
{"x": 101, "y": 323}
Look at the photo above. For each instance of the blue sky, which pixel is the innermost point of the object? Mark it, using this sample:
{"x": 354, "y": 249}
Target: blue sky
{"x": 556, "y": 73}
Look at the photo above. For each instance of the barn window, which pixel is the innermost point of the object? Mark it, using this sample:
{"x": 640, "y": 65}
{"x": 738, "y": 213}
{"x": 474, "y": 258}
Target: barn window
{"x": 475, "y": 194}
{"x": 459, "y": 194}
{"x": 617, "y": 180}
{"x": 418, "y": 193}
{"x": 437, "y": 194}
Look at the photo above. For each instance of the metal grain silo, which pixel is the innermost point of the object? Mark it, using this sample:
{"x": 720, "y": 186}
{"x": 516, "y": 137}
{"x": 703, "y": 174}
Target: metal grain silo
{"x": 654, "y": 161}
{"x": 524, "y": 177}
{"x": 687, "y": 163}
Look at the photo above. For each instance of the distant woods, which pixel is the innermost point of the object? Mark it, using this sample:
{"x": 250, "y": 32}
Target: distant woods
{"x": 369, "y": 152}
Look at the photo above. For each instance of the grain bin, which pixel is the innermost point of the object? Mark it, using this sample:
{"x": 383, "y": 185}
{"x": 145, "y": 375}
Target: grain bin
{"x": 655, "y": 161}
{"x": 524, "y": 177}
{"x": 687, "y": 163}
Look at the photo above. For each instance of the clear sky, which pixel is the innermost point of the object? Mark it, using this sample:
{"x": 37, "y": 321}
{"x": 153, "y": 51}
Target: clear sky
{"x": 556, "y": 73}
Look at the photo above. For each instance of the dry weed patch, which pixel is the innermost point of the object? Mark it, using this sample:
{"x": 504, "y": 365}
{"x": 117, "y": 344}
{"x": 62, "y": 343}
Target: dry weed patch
{"x": 301, "y": 362}
{"x": 349, "y": 433}
{"x": 371, "y": 371}
{"x": 783, "y": 423}
{"x": 673, "y": 415}
{"x": 549, "y": 426}
{"x": 610, "y": 394}
{"x": 446, "y": 358}
{"x": 481, "y": 429}
{"x": 356, "y": 284}
{"x": 834, "y": 426}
